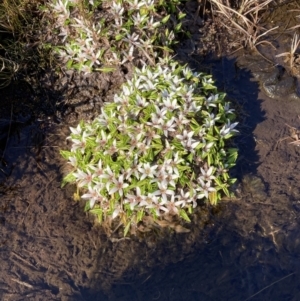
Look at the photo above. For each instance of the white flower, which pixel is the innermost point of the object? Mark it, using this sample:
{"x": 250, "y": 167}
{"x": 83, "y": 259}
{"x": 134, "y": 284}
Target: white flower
{"x": 227, "y": 108}
{"x": 93, "y": 56}
{"x": 187, "y": 94}
{"x": 77, "y": 130}
{"x": 61, "y": 8}
{"x": 132, "y": 39}
{"x": 185, "y": 136}
{"x": 131, "y": 200}
{"x": 210, "y": 120}
{"x": 211, "y": 101}
{"x": 79, "y": 143}
{"x": 142, "y": 148}
{"x": 148, "y": 3}
{"x": 205, "y": 188}
{"x": 73, "y": 161}
{"x": 103, "y": 119}
{"x": 118, "y": 185}
{"x": 83, "y": 178}
{"x": 109, "y": 176}
{"x": 167, "y": 126}
{"x": 158, "y": 117}
{"x": 133, "y": 170}
{"x": 156, "y": 204}
{"x": 86, "y": 69}
{"x": 171, "y": 206}
{"x": 103, "y": 139}
{"x": 139, "y": 197}
{"x": 171, "y": 104}
{"x": 136, "y": 4}
{"x": 160, "y": 175}
{"x": 194, "y": 107}
{"x": 134, "y": 141}
{"x": 112, "y": 149}
{"x": 150, "y": 135}
{"x": 117, "y": 211}
{"x": 190, "y": 145}
{"x": 147, "y": 171}
{"x": 140, "y": 101}
{"x": 207, "y": 146}
{"x": 94, "y": 196}
{"x": 206, "y": 174}
{"x": 228, "y": 128}
{"x": 183, "y": 198}
{"x": 98, "y": 169}
{"x": 181, "y": 120}
{"x": 147, "y": 200}
{"x": 117, "y": 9}
{"x": 151, "y": 25}
{"x": 169, "y": 179}
{"x": 128, "y": 57}
{"x": 138, "y": 19}
{"x": 163, "y": 191}
{"x": 173, "y": 163}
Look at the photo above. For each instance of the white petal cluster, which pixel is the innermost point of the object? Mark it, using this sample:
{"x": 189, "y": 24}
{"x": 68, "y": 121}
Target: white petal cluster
{"x": 157, "y": 148}
{"x": 127, "y": 31}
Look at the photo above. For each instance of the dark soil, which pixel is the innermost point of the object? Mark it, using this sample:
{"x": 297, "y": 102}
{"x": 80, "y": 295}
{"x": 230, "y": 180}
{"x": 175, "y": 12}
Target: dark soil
{"x": 245, "y": 249}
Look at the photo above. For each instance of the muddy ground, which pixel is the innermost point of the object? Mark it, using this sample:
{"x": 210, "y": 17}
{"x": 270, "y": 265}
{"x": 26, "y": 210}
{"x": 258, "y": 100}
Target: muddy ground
{"x": 245, "y": 249}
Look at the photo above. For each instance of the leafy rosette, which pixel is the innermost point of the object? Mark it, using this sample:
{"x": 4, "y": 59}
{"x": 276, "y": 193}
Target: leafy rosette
{"x": 157, "y": 149}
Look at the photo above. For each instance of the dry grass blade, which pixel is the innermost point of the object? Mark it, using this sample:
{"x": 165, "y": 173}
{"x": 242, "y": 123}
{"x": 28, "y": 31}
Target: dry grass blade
{"x": 228, "y": 11}
{"x": 270, "y": 285}
{"x": 7, "y": 71}
{"x": 249, "y": 6}
{"x": 291, "y": 54}
{"x": 12, "y": 15}
{"x": 245, "y": 19}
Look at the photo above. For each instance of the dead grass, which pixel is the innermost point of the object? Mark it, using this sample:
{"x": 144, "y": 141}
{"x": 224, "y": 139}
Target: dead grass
{"x": 245, "y": 19}
{"x": 291, "y": 55}
{"x": 13, "y": 15}
{"x": 21, "y": 40}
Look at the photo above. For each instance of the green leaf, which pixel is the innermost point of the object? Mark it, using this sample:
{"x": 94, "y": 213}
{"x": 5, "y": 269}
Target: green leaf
{"x": 178, "y": 145}
{"x": 70, "y": 178}
{"x": 127, "y": 228}
{"x": 66, "y": 154}
{"x": 181, "y": 15}
{"x": 69, "y": 64}
{"x": 184, "y": 215}
{"x": 190, "y": 157}
{"x": 165, "y": 20}
{"x": 226, "y": 191}
{"x": 178, "y": 27}
{"x": 119, "y": 37}
{"x": 106, "y": 69}
{"x": 213, "y": 197}
{"x": 140, "y": 215}
{"x": 98, "y": 212}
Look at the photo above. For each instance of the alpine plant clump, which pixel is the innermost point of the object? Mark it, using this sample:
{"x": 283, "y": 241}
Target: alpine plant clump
{"x": 157, "y": 149}
{"x": 99, "y": 35}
